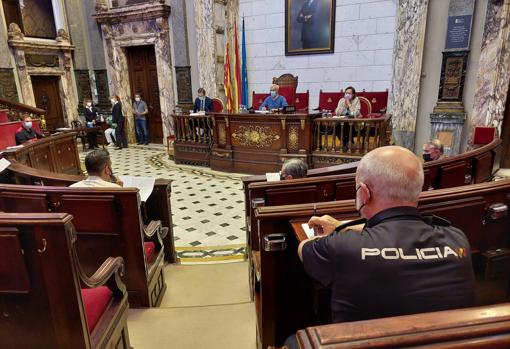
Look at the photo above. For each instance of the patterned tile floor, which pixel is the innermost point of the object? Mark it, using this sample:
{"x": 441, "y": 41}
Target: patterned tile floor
{"x": 207, "y": 206}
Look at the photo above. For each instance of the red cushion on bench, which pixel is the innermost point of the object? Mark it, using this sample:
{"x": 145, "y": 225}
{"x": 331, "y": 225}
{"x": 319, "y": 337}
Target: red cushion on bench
{"x": 95, "y": 301}
{"x": 149, "y": 248}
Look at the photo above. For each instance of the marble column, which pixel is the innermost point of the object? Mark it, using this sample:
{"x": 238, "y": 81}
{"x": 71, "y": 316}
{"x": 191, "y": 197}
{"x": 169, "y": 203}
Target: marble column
{"x": 407, "y": 64}
{"x": 204, "y": 18}
{"x": 27, "y": 94}
{"x": 493, "y": 70}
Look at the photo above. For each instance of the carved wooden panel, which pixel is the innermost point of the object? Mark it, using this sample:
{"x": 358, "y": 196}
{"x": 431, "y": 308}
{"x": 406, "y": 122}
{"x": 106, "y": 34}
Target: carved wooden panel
{"x": 12, "y": 12}
{"x": 13, "y": 269}
{"x": 103, "y": 92}
{"x": 453, "y": 73}
{"x": 8, "y": 85}
{"x": 38, "y": 20}
{"x": 65, "y": 156}
{"x": 293, "y": 195}
{"x": 83, "y": 85}
{"x": 184, "y": 89}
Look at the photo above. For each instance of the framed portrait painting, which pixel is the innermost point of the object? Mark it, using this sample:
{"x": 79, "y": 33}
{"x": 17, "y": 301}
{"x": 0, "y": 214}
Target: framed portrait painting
{"x": 309, "y": 26}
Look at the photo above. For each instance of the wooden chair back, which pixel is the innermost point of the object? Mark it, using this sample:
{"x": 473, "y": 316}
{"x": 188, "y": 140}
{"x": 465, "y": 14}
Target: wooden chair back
{"x": 108, "y": 222}
{"x": 480, "y": 327}
{"x": 40, "y": 288}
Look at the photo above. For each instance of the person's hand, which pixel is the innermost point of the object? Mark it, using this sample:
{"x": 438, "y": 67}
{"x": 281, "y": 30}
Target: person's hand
{"x": 324, "y": 225}
{"x": 119, "y": 182}
{"x": 348, "y": 102}
{"x": 308, "y": 17}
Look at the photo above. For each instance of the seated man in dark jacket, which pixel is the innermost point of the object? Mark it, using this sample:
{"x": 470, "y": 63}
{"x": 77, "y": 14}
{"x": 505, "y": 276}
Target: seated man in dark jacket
{"x": 27, "y": 133}
{"x": 395, "y": 261}
{"x": 202, "y": 102}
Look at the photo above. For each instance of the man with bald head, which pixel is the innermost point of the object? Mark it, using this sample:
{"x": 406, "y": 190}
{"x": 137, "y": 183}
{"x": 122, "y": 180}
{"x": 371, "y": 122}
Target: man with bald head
{"x": 399, "y": 262}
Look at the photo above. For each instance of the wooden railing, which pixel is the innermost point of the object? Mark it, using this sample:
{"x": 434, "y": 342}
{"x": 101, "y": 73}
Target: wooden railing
{"x": 17, "y": 111}
{"x": 342, "y": 136}
{"x": 193, "y": 129}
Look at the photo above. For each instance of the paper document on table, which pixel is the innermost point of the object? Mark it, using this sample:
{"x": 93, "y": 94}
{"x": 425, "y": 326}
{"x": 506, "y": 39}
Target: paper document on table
{"x": 273, "y": 176}
{"x": 308, "y": 231}
{"x": 144, "y": 184}
{"x": 4, "y": 163}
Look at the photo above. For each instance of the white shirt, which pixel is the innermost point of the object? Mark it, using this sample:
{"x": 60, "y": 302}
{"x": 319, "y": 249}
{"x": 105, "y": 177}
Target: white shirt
{"x": 94, "y": 181}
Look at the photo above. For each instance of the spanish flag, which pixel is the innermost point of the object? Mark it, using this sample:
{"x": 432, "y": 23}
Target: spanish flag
{"x": 226, "y": 77}
{"x": 237, "y": 88}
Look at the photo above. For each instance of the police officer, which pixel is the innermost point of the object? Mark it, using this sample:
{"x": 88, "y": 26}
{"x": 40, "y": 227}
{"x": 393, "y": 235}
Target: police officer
{"x": 398, "y": 262}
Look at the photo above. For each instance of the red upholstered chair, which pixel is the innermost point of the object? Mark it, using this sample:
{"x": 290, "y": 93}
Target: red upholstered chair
{"x": 257, "y": 99}
{"x": 483, "y": 135}
{"x": 302, "y": 101}
{"x": 50, "y": 300}
{"x": 379, "y": 100}
{"x": 217, "y": 105}
{"x": 289, "y": 93}
{"x": 3, "y": 116}
{"x": 329, "y": 100}
{"x": 365, "y": 107}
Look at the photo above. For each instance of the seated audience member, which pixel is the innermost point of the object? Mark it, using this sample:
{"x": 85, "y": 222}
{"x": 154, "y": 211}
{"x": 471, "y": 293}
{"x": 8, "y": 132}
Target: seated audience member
{"x": 349, "y": 105}
{"x": 27, "y": 133}
{"x": 293, "y": 168}
{"x": 90, "y": 114}
{"x": 99, "y": 170}
{"x": 274, "y": 101}
{"x": 399, "y": 262}
{"x": 433, "y": 150}
{"x": 202, "y": 102}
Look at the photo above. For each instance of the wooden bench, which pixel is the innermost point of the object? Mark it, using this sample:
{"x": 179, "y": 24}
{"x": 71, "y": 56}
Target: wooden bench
{"x": 287, "y": 299}
{"x": 46, "y": 299}
{"x": 480, "y": 327}
{"x": 108, "y": 222}
{"x": 157, "y": 207}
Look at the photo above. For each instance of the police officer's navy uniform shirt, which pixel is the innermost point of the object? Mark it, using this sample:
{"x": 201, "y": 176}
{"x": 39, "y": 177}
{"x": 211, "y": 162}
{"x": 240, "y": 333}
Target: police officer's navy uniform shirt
{"x": 399, "y": 264}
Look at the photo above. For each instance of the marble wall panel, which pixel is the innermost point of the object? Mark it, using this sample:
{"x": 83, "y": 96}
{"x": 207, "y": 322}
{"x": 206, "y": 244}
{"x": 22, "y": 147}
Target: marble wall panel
{"x": 493, "y": 71}
{"x": 407, "y": 63}
{"x": 205, "y": 36}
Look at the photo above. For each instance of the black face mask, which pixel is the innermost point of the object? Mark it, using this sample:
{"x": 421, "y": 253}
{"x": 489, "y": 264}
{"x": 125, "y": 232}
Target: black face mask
{"x": 427, "y": 157}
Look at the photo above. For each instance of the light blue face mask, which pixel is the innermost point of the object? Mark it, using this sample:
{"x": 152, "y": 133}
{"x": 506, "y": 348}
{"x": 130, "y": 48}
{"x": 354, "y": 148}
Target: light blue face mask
{"x": 202, "y": 98}
{"x": 273, "y": 94}
{"x": 28, "y": 124}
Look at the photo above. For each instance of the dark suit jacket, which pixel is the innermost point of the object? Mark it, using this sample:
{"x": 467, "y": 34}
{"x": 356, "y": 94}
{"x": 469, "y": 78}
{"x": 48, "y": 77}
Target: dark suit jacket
{"x": 117, "y": 117}
{"x": 314, "y": 31}
{"x": 25, "y": 135}
{"x": 208, "y": 107}
{"x": 90, "y": 115}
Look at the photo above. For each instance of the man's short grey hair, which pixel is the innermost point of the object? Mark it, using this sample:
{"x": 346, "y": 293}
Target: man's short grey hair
{"x": 96, "y": 160}
{"x": 295, "y": 167}
{"x": 391, "y": 179}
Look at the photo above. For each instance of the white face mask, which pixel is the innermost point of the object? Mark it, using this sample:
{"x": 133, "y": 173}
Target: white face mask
{"x": 138, "y": 99}
{"x": 348, "y": 96}
{"x": 89, "y": 104}
{"x": 113, "y": 101}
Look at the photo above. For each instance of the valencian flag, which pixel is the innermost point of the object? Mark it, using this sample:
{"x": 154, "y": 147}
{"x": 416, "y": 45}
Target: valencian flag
{"x": 226, "y": 78}
{"x": 237, "y": 87}
{"x": 244, "y": 72}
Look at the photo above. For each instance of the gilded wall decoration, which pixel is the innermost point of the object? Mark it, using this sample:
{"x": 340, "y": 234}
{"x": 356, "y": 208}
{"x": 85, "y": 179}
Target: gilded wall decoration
{"x": 293, "y": 143}
{"x": 222, "y": 136}
{"x": 255, "y": 136}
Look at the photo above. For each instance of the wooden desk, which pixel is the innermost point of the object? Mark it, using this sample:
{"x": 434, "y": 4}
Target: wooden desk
{"x": 259, "y": 143}
{"x": 56, "y": 153}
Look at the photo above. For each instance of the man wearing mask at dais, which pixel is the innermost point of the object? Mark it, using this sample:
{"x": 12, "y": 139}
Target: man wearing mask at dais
{"x": 27, "y": 132}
